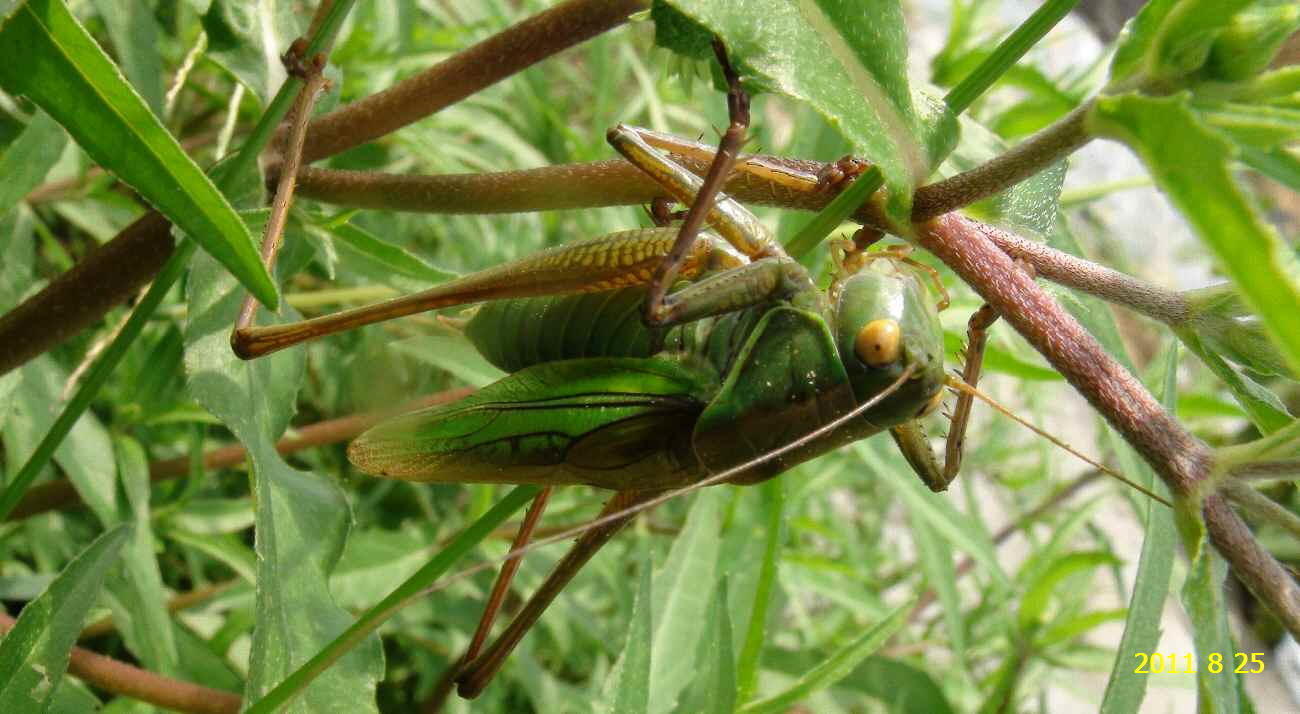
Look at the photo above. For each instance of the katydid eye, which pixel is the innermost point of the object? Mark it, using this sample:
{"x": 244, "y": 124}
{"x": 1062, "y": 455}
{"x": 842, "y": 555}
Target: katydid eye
{"x": 879, "y": 342}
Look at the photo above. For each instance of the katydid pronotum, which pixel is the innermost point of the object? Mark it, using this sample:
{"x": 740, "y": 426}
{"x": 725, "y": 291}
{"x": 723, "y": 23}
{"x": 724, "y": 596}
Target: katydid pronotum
{"x": 646, "y": 360}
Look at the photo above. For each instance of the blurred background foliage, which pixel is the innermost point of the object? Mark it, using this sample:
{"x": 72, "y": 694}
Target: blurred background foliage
{"x": 841, "y": 542}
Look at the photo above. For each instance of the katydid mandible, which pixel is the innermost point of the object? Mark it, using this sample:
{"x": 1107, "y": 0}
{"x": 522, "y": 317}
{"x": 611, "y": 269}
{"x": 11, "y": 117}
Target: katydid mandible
{"x": 648, "y": 359}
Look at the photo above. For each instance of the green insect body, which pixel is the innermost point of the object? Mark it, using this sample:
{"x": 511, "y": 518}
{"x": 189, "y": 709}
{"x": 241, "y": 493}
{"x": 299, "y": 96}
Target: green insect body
{"x": 588, "y": 403}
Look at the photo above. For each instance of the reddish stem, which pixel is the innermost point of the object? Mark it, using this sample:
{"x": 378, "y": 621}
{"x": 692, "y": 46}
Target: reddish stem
{"x": 121, "y": 678}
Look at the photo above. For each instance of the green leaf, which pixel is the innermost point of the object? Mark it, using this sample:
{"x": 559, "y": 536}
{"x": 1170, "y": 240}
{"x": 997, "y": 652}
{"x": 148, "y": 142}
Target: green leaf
{"x": 1265, "y": 410}
{"x": 27, "y": 160}
{"x": 1219, "y": 320}
{"x": 34, "y": 654}
{"x": 247, "y": 39}
{"x": 714, "y": 688}
{"x": 87, "y": 453}
{"x": 454, "y": 354}
{"x": 377, "y": 256}
{"x": 1125, "y": 688}
{"x": 1203, "y": 597}
{"x": 48, "y": 57}
{"x": 134, "y": 34}
{"x": 409, "y": 590}
{"x": 846, "y": 60}
{"x": 632, "y": 693}
{"x": 682, "y": 592}
{"x": 302, "y": 521}
{"x": 1033, "y": 605}
{"x": 960, "y": 530}
{"x": 774, "y": 500}
{"x": 1252, "y": 39}
{"x": 1190, "y": 164}
{"x": 836, "y": 667}
{"x": 1281, "y": 165}
{"x": 941, "y": 574}
{"x": 900, "y": 686}
{"x": 1259, "y": 126}
{"x": 1169, "y": 39}
{"x": 141, "y": 613}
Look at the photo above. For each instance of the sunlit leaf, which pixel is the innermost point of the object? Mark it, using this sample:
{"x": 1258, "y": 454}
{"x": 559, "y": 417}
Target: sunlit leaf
{"x": 48, "y": 57}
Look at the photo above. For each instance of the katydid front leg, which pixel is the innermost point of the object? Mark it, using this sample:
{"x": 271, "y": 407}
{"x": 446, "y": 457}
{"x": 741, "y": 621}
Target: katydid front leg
{"x": 910, "y": 436}
{"x": 740, "y": 229}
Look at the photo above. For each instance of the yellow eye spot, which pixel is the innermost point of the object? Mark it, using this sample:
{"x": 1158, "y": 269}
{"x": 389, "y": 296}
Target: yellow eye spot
{"x": 879, "y": 342}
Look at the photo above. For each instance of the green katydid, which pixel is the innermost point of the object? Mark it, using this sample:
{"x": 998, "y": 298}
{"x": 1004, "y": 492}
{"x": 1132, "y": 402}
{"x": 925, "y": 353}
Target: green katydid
{"x": 745, "y": 356}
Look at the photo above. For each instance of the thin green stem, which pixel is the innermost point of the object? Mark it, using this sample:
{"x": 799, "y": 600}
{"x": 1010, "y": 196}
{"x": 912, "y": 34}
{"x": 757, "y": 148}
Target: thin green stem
{"x": 171, "y": 272}
{"x": 408, "y": 591}
{"x": 96, "y": 377}
{"x": 751, "y": 652}
{"x": 835, "y": 213}
{"x": 279, "y": 106}
{"x": 1007, "y": 53}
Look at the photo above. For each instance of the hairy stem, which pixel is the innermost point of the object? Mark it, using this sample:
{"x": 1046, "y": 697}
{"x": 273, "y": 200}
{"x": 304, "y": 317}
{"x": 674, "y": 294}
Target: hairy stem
{"x": 1180, "y": 459}
{"x": 1027, "y": 158}
{"x": 77, "y": 299}
{"x": 465, "y": 73}
{"x": 121, "y": 678}
{"x": 61, "y": 494}
{"x": 764, "y": 180}
{"x": 118, "y": 269}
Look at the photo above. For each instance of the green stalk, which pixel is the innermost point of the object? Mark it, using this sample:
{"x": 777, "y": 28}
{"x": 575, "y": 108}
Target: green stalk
{"x": 835, "y": 213}
{"x": 96, "y": 376}
{"x": 408, "y": 591}
{"x": 1007, "y": 53}
{"x": 225, "y": 178}
{"x": 279, "y": 106}
{"x": 755, "y": 633}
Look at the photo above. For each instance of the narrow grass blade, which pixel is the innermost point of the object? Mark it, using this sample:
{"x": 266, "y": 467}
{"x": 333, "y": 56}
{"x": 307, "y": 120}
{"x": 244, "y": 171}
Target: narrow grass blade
{"x": 681, "y": 596}
{"x": 26, "y": 161}
{"x": 47, "y": 56}
{"x": 836, "y": 667}
{"x": 835, "y": 213}
{"x": 773, "y": 492}
{"x": 95, "y": 378}
{"x": 632, "y": 694}
{"x": 1125, "y": 688}
{"x": 34, "y": 654}
{"x": 377, "y": 615}
{"x": 1007, "y": 53}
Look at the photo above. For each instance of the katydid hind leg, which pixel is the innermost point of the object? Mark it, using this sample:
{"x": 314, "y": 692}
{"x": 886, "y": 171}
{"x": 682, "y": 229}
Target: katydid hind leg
{"x": 615, "y": 260}
{"x": 477, "y": 674}
{"x": 497, "y": 596}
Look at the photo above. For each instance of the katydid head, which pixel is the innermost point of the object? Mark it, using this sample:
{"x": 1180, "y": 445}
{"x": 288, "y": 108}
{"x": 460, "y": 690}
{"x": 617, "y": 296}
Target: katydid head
{"x": 885, "y": 322}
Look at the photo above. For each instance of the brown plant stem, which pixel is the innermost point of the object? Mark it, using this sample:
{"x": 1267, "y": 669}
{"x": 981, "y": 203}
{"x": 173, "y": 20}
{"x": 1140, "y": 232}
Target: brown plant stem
{"x": 482, "y": 65}
{"x": 78, "y": 298}
{"x": 1168, "y": 306}
{"x": 1025, "y": 159}
{"x": 179, "y": 602}
{"x": 1180, "y": 459}
{"x": 120, "y": 678}
{"x": 618, "y": 183}
{"x": 60, "y": 494}
{"x": 273, "y": 238}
